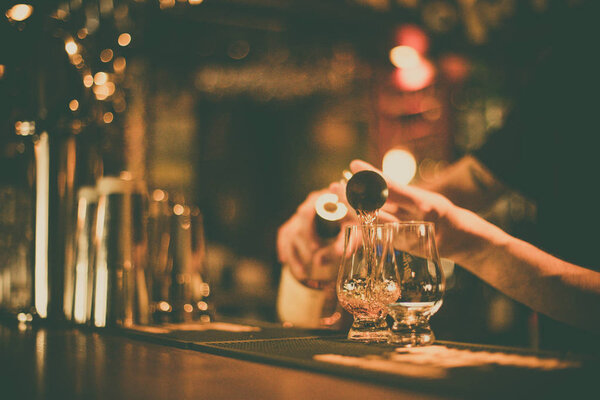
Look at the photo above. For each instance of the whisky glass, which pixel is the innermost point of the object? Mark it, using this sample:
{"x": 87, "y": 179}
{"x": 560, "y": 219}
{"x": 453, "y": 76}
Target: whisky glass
{"x": 364, "y": 286}
{"x": 412, "y": 251}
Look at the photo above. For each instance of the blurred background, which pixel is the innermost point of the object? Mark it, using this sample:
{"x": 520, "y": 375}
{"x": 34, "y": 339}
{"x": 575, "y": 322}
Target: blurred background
{"x": 243, "y": 107}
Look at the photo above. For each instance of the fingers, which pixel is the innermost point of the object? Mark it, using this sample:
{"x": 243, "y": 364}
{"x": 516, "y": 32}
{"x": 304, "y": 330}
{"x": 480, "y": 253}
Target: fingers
{"x": 296, "y": 244}
{"x": 296, "y": 253}
{"x": 404, "y": 201}
{"x": 304, "y": 248}
{"x": 338, "y": 245}
{"x": 360, "y": 165}
{"x": 339, "y": 189}
{"x": 400, "y": 204}
{"x": 285, "y": 250}
{"x": 325, "y": 263}
{"x": 307, "y": 208}
{"x": 397, "y": 193}
{"x": 297, "y": 269}
{"x": 387, "y": 217}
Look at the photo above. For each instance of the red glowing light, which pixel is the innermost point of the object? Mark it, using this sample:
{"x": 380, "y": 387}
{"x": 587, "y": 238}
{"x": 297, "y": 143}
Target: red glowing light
{"x": 413, "y": 36}
{"x": 416, "y": 78}
{"x": 456, "y": 68}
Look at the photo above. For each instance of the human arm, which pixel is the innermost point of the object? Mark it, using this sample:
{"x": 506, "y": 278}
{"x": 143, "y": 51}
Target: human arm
{"x": 466, "y": 183}
{"x": 546, "y": 284}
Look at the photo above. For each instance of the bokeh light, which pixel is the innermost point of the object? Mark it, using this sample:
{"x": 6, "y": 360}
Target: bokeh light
{"x": 404, "y": 57}
{"x": 71, "y": 47}
{"x": 100, "y": 78}
{"x": 119, "y": 64}
{"x": 19, "y": 12}
{"x": 73, "y": 105}
{"x": 413, "y": 36}
{"x": 416, "y": 78}
{"x": 88, "y": 81}
{"x": 178, "y": 209}
{"x": 455, "y": 67}
{"x": 106, "y": 55}
{"x": 399, "y": 165}
{"x": 124, "y": 39}
{"x": 158, "y": 195}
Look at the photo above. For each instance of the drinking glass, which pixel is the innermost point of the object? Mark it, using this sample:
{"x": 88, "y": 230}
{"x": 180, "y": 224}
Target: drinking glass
{"x": 364, "y": 287}
{"x": 180, "y": 292}
{"x": 410, "y": 250}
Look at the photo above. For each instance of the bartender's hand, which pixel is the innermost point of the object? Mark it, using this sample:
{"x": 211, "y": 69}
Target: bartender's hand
{"x": 298, "y": 245}
{"x": 408, "y": 202}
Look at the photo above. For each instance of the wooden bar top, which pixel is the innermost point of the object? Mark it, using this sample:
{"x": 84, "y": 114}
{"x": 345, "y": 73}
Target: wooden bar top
{"x": 65, "y": 363}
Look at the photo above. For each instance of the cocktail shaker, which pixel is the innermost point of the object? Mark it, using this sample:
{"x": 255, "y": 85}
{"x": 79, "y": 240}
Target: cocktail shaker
{"x": 120, "y": 287}
{"x": 83, "y": 267}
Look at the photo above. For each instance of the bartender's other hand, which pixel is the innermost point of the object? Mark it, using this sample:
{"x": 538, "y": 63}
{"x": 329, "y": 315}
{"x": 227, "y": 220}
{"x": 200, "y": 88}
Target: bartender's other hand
{"x": 298, "y": 245}
{"x": 408, "y": 202}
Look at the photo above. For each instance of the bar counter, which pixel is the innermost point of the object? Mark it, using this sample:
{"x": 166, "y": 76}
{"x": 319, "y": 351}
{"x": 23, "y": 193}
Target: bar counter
{"x": 45, "y": 362}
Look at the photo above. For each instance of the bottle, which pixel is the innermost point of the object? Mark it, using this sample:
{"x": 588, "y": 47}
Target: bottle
{"x": 17, "y": 224}
{"x": 312, "y": 302}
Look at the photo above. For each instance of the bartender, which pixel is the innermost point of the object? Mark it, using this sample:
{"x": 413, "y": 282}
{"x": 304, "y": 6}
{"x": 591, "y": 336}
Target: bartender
{"x": 547, "y": 151}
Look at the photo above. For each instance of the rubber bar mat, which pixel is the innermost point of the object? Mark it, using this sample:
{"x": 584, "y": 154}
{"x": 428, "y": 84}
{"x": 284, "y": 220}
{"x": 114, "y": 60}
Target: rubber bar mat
{"x": 329, "y": 352}
{"x": 491, "y": 381}
{"x": 222, "y": 332}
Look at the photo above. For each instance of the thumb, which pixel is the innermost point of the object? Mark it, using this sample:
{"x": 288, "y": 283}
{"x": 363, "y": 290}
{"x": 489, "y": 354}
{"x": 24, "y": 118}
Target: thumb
{"x": 360, "y": 165}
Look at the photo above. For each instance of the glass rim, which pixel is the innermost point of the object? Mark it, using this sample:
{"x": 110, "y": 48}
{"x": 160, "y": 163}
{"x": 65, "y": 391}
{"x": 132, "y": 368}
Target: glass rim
{"x": 360, "y": 226}
{"x": 410, "y": 222}
{"x": 385, "y": 225}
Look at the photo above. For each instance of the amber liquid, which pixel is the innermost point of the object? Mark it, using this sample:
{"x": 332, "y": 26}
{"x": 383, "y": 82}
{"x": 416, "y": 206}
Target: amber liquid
{"x": 368, "y": 296}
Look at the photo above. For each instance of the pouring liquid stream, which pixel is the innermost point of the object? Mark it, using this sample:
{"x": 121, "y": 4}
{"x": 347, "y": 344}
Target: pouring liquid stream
{"x": 368, "y": 219}
{"x": 366, "y": 192}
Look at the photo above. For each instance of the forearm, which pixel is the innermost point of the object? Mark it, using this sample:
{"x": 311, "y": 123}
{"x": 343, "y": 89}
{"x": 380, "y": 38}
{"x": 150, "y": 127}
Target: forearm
{"x": 546, "y": 284}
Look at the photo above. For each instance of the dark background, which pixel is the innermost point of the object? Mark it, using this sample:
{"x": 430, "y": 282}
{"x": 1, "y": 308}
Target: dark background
{"x": 243, "y": 107}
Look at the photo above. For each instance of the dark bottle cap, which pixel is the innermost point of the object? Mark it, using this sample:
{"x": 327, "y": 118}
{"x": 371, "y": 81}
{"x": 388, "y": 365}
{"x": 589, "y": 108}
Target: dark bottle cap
{"x": 366, "y": 191}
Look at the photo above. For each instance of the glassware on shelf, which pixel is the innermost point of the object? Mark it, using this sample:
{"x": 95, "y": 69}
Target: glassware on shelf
{"x": 188, "y": 291}
{"x": 410, "y": 250}
{"x": 159, "y": 236}
{"x": 177, "y": 257}
{"x": 365, "y": 286}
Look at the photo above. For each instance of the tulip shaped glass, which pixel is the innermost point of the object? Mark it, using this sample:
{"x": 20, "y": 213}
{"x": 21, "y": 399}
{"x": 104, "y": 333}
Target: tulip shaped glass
{"x": 411, "y": 250}
{"x": 364, "y": 288}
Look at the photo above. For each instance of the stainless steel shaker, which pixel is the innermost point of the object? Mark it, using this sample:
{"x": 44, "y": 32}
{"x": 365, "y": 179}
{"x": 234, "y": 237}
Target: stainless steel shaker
{"x": 83, "y": 263}
{"x": 120, "y": 287}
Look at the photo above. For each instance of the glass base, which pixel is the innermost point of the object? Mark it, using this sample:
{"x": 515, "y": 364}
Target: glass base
{"x": 411, "y": 335}
{"x": 369, "y": 331}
